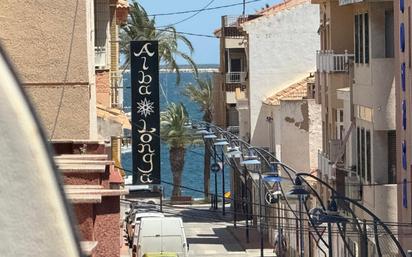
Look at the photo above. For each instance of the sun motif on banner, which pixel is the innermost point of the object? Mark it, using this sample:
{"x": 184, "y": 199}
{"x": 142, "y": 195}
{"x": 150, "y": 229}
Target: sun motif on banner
{"x": 145, "y": 107}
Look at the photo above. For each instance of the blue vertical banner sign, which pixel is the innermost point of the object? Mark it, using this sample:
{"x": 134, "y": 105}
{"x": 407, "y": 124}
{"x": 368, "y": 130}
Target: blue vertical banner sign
{"x": 144, "y": 70}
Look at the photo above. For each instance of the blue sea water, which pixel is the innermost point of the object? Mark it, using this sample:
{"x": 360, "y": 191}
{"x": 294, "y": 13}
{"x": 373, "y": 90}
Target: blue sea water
{"x": 193, "y": 168}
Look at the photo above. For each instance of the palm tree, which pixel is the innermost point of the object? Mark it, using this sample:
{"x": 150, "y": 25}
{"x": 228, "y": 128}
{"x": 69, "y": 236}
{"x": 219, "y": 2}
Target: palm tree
{"x": 174, "y": 132}
{"x": 201, "y": 93}
{"x": 140, "y": 27}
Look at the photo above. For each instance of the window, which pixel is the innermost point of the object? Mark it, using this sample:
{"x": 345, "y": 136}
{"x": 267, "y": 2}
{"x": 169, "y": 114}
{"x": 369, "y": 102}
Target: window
{"x": 356, "y": 39}
{"x": 362, "y": 38}
{"x": 363, "y": 153}
{"x": 389, "y": 41}
{"x": 358, "y": 146}
{"x": 366, "y": 19}
{"x": 340, "y": 131}
{"x": 368, "y": 156}
{"x": 235, "y": 65}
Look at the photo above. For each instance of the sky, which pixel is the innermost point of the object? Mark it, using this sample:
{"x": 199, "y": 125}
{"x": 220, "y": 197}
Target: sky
{"x": 206, "y": 49}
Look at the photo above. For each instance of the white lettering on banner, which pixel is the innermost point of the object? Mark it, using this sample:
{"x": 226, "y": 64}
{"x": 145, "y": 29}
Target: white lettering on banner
{"x": 144, "y": 90}
{"x": 144, "y": 77}
{"x": 145, "y": 107}
{"x": 144, "y": 130}
{"x": 144, "y": 64}
{"x": 145, "y": 50}
{"x": 143, "y": 147}
{"x": 145, "y": 178}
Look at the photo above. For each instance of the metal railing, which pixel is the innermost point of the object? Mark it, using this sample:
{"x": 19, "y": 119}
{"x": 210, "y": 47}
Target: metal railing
{"x": 325, "y": 166}
{"x": 100, "y": 56}
{"x": 350, "y": 227}
{"x": 328, "y": 61}
{"x": 235, "y": 77}
{"x": 234, "y": 20}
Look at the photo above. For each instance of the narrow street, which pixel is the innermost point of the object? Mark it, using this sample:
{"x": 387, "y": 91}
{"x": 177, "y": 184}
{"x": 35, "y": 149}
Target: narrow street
{"x": 208, "y": 234}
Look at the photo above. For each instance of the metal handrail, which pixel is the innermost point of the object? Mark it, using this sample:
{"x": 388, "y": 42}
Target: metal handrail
{"x": 335, "y": 194}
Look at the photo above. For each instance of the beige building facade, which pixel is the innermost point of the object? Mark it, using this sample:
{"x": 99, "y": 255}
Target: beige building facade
{"x": 61, "y": 50}
{"x": 54, "y": 54}
{"x": 403, "y": 76}
{"x": 355, "y": 84}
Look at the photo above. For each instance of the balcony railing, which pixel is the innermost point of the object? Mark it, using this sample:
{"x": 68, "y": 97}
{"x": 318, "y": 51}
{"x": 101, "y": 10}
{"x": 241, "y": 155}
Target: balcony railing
{"x": 116, "y": 89}
{"x": 232, "y": 25}
{"x": 325, "y": 166}
{"x": 235, "y": 77}
{"x": 328, "y": 61}
{"x": 100, "y": 56}
{"x": 237, "y": 20}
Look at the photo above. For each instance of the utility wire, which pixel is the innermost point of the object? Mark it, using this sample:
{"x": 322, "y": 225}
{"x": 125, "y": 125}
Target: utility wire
{"x": 222, "y": 196}
{"x": 203, "y": 9}
{"x": 213, "y": 217}
{"x": 191, "y": 16}
{"x": 369, "y": 222}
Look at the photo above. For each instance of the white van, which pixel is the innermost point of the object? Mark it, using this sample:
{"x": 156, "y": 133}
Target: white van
{"x": 161, "y": 235}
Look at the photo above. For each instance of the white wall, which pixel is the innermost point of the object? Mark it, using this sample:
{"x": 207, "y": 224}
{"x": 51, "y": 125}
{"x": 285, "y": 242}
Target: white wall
{"x": 281, "y": 51}
{"x": 315, "y": 132}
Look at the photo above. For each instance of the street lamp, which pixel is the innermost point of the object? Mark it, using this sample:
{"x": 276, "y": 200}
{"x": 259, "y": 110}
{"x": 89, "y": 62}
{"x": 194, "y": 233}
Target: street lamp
{"x": 214, "y": 167}
{"x": 220, "y": 144}
{"x": 253, "y": 161}
{"x": 235, "y": 153}
{"x": 331, "y": 216}
{"x": 299, "y": 191}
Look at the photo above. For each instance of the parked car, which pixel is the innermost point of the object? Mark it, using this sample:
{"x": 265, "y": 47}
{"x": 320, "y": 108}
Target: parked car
{"x": 160, "y": 235}
{"x": 134, "y": 223}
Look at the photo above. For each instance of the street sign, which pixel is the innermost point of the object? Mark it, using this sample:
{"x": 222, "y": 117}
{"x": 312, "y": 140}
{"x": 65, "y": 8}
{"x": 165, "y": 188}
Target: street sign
{"x": 145, "y": 112}
{"x": 215, "y": 167}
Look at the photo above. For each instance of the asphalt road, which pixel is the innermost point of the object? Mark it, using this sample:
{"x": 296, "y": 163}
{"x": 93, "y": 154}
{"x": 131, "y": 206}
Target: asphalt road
{"x": 207, "y": 233}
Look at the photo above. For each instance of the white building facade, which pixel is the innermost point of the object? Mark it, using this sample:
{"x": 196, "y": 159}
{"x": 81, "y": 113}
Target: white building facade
{"x": 280, "y": 50}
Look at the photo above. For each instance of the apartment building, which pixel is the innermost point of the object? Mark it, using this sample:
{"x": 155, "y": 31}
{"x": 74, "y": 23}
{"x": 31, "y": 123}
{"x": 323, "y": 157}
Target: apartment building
{"x": 402, "y": 69}
{"x": 55, "y": 49}
{"x": 356, "y": 88}
{"x": 231, "y": 80}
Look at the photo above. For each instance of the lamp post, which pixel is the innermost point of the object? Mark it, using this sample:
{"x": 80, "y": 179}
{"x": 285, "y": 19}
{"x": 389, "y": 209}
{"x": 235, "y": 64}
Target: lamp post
{"x": 214, "y": 167}
{"x": 220, "y": 144}
{"x": 234, "y": 152}
{"x": 300, "y": 192}
{"x": 274, "y": 183}
{"x": 254, "y": 162}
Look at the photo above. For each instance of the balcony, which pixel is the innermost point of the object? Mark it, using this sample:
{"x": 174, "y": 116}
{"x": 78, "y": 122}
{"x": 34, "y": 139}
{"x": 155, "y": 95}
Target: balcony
{"x": 235, "y": 77}
{"x": 232, "y": 25}
{"x": 100, "y": 57}
{"x": 328, "y": 61}
{"x": 325, "y": 166}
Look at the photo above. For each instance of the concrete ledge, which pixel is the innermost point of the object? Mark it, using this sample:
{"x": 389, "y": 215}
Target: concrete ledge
{"x": 81, "y": 157}
{"x": 101, "y": 192}
{"x": 88, "y": 247}
{"x": 82, "y": 168}
{"x": 83, "y": 198}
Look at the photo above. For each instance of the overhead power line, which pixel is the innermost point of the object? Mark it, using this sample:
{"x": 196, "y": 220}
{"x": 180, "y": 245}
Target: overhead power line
{"x": 204, "y": 9}
{"x": 193, "y": 15}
